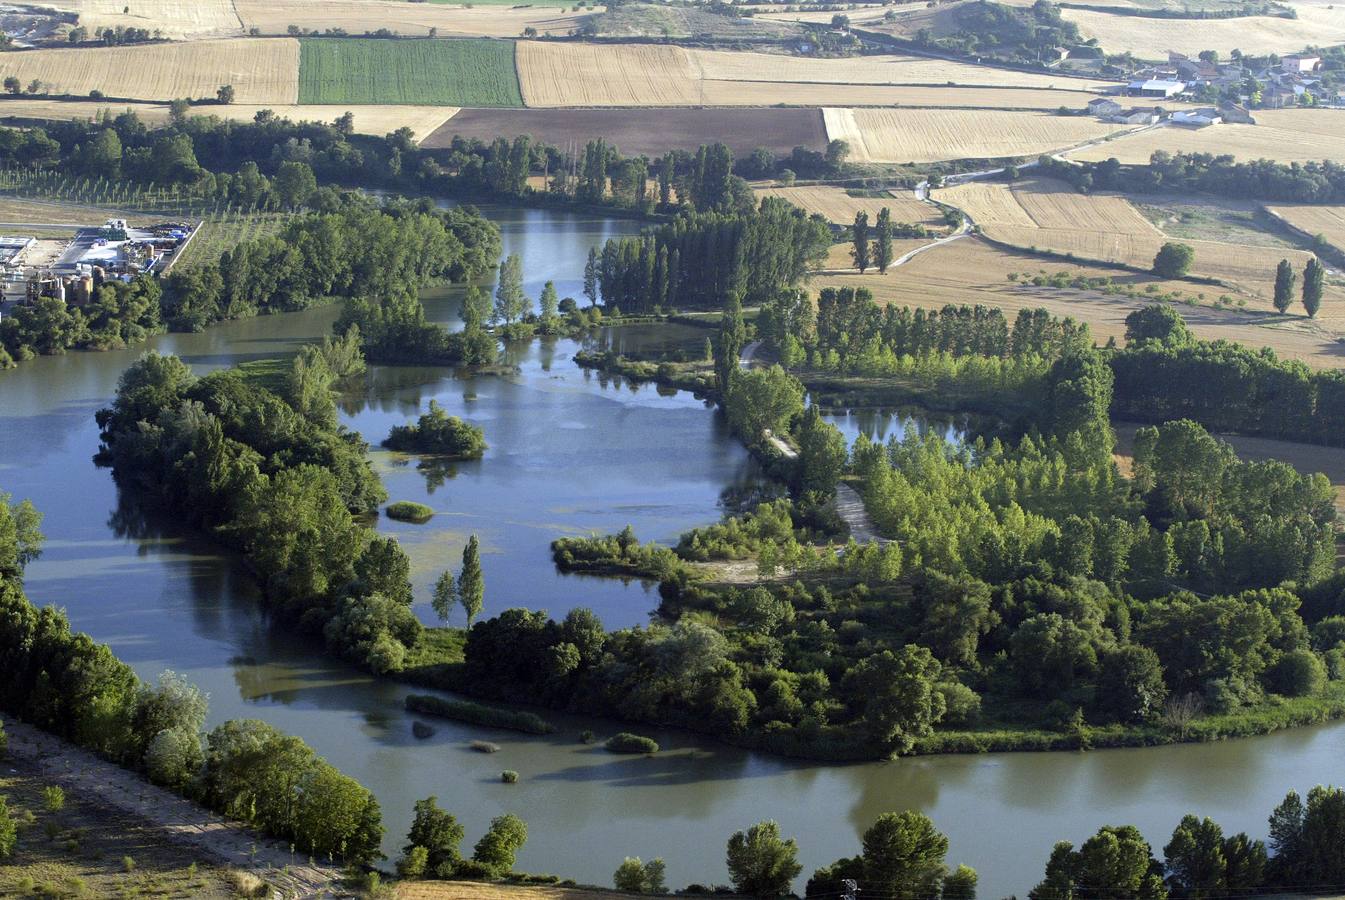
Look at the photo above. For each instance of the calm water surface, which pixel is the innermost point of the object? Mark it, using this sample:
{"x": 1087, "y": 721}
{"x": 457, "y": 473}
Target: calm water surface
{"x": 570, "y": 453}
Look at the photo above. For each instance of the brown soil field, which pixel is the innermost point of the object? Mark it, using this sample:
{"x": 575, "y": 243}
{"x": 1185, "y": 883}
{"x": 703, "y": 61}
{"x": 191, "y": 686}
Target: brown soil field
{"x": 261, "y": 70}
{"x": 1151, "y": 38}
{"x": 606, "y": 75}
{"x": 14, "y": 210}
{"x": 835, "y": 205}
{"x": 973, "y": 271}
{"x": 1048, "y": 214}
{"x": 728, "y": 65}
{"x": 176, "y": 19}
{"x": 1328, "y": 221}
{"x": 649, "y": 131}
{"x": 360, "y": 16}
{"x": 476, "y": 890}
{"x": 1284, "y": 135}
{"x": 928, "y": 135}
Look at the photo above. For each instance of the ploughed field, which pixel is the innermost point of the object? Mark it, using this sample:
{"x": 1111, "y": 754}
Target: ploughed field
{"x": 468, "y": 72}
{"x": 649, "y": 131}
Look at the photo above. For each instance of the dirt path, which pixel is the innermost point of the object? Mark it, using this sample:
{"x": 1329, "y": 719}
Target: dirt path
{"x": 851, "y": 509}
{"x": 181, "y": 821}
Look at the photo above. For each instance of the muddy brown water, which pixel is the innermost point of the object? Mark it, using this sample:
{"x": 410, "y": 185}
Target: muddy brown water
{"x": 570, "y": 453}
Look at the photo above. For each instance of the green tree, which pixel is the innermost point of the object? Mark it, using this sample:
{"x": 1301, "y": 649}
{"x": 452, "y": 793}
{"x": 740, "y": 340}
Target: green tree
{"x": 511, "y": 302}
{"x": 882, "y": 240}
{"x": 637, "y": 877}
{"x": 497, "y": 847}
{"x": 762, "y": 864}
{"x": 13, "y": 85}
{"x": 860, "y": 252}
{"x": 761, "y": 400}
{"x": 960, "y": 884}
{"x": 445, "y": 595}
{"x": 225, "y": 94}
{"x": 550, "y": 306}
{"x": 20, "y": 536}
{"x": 591, "y": 277}
{"x": 1130, "y": 684}
{"x": 1314, "y": 273}
{"x": 903, "y": 856}
{"x": 476, "y": 308}
{"x": 895, "y": 696}
{"x": 822, "y": 453}
{"x": 294, "y": 184}
{"x": 732, "y": 336}
{"x": 1173, "y": 260}
{"x": 9, "y": 830}
{"x": 1157, "y": 323}
{"x": 471, "y": 588}
{"x": 1285, "y": 277}
{"x": 1194, "y": 858}
{"x": 439, "y": 834}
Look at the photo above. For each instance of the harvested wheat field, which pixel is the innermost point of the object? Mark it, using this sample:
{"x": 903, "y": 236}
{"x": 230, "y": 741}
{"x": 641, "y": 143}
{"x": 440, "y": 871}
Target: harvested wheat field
{"x": 728, "y": 65}
{"x": 973, "y": 271}
{"x": 414, "y": 19}
{"x": 477, "y": 890}
{"x": 652, "y": 132}
{"x": 261, "y": 70}
{"x": 770, "y": 93}
{"x": 1328, "y": 221}
{"x": 835, "y": 205}
{"x": 840, "y": 258}
{"x": 1151, "y": 38}
{"x": 929, "y": 135}
{"x": 565, "y": 74}
{"x": 1050, "y": 215}
{"x": 175, "y": 19}
{"x": 1284, "y": 135}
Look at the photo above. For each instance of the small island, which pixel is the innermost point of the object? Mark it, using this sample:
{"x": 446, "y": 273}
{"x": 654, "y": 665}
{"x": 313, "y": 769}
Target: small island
{"x": 439, "y": 433}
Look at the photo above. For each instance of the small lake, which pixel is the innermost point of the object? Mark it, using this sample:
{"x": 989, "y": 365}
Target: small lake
{"x": 571, "y": 452}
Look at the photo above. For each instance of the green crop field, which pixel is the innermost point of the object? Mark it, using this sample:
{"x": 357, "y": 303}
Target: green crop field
{"x": 474, "y": 72}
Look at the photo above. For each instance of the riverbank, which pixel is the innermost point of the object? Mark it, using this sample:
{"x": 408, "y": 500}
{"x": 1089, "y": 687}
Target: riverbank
{"x": 112, "y": 814}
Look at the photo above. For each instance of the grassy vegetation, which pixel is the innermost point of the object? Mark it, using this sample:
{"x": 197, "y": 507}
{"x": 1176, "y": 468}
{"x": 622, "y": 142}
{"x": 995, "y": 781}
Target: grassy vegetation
{"x": 409, "y": 511}
{"x": 1211, "y": 220}
{"x": 473, "y": 72}
{"x": 478, "y": 714}
{"x": 81, "y": 850}
{"x": 626, "y": 742}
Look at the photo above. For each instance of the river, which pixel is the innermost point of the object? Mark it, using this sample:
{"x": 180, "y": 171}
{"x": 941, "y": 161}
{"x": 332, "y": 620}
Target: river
{"x": 570, "y": 452}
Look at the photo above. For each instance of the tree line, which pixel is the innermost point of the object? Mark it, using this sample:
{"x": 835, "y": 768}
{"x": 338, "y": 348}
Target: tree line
{"x": 1221, "y": 175}
{"x": 75, "y": 688}
{"x": 698, "y": 259}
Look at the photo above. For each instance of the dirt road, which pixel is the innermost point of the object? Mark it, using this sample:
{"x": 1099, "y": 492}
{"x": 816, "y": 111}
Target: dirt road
{"x": 181, "y": 821}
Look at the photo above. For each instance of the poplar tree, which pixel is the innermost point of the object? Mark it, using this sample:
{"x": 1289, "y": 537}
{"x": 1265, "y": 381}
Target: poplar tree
{"x": 1284, "y": 285}
{"x": 510, "y": 301}
{"x": 471, "y": 587}
{"x": 1313, "y": 274}
{"x": 861, "y": 248}
{"x": 591, "y": 277}
{"x": 445, "y": 596}
{"x": 882, "y": 240}
{"x": 732, "y": 336}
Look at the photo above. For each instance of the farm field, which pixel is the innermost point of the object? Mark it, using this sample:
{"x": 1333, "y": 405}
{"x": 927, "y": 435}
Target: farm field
{"x": 648, "y": 131}
{"x": 973, "y": 271}
{"x": 476, "y": 890}
{"x": 1285, "y": 135}
{"x": 602, "y": 75}
{"x": 472, "y": 72}
{"x": 1052, "y": 216}
{"x": 769, "y": 93}
{"x": 176, "y": 19}
{"x": 835, "y": 205}
{"x": 1150, "y": 38}
{"x": 18, "y": 210}
{"x": 1328, "y": 221}
{"x": 224, "y": 231}
{"x": 412, "y": 19}
{"x": 261, "y": 70}
{"x": 727, "y": 65}
{"x": 663, "y": 20}
{"x": 1197, "y": 218}
{"x": 921, "y": 135}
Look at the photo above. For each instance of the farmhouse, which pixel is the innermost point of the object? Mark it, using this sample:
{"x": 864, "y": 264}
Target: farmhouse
{"x": 1197, "y": 118}
{"x": 1103, "y": 107}
{"x": 1139, "y": 115}
{"x": 1155, "y": 88}
{"x": 1298, "y": 65}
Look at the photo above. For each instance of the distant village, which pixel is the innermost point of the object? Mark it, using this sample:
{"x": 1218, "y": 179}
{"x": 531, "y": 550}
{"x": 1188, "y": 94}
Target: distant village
{"x": 1284, "y": 84}
{"x": 71, "y": 269}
